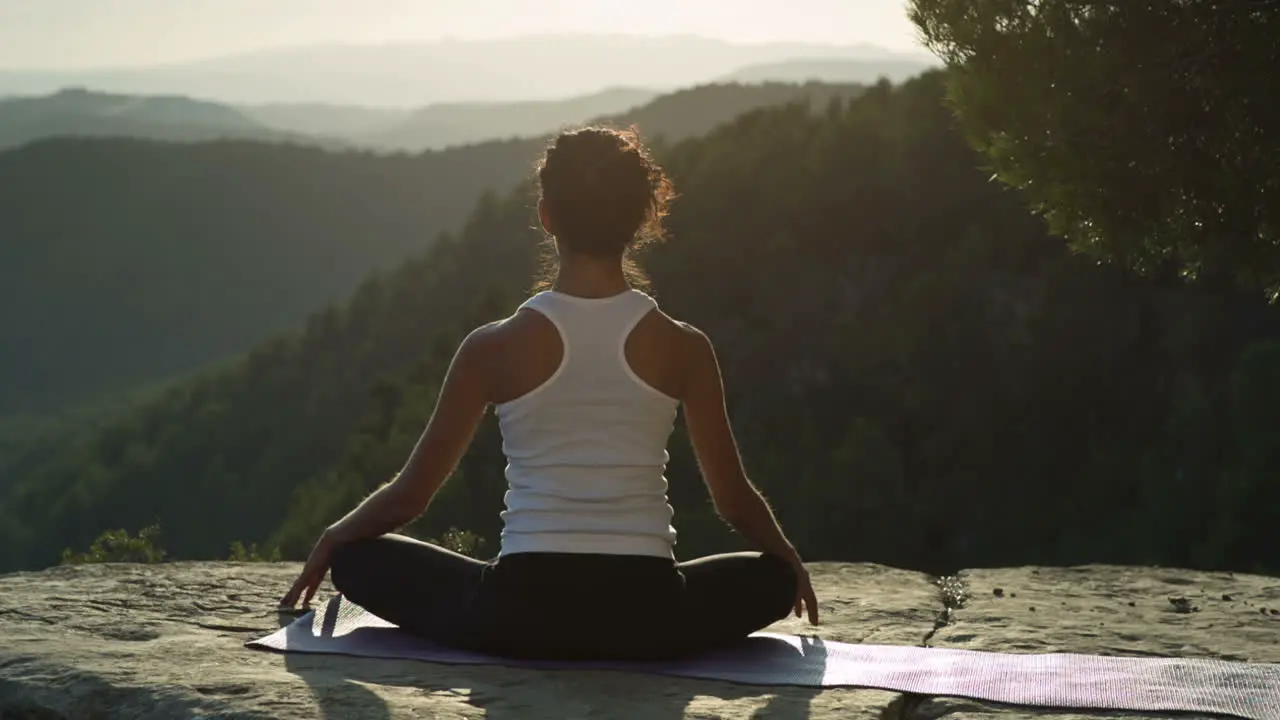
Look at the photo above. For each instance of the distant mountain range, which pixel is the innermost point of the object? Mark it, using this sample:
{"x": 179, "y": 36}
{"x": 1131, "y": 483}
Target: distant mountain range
{"x": 452, "y": 124}
{"x": 155, "y": 258}
{"x": 82, "y": 113}
{"x": 91, "y": 113}
{"x": 539, "y": 67}
{"x": 831, "y": 70}
{"x": 326, "y": 119}
{"x": 78, "y": 112}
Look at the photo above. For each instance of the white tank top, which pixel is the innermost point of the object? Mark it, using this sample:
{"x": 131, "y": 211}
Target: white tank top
{"x": 587, "y": 450}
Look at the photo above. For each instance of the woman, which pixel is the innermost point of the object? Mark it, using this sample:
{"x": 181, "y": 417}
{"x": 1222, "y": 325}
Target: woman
{"x": 585, "y": 379}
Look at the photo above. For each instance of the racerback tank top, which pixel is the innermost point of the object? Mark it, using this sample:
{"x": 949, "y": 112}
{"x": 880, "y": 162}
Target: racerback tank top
{"x": 587, "y": 450}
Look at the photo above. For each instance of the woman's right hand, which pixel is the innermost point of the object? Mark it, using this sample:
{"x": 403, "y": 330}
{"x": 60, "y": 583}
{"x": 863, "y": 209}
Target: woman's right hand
{"x": 313, "y": 572}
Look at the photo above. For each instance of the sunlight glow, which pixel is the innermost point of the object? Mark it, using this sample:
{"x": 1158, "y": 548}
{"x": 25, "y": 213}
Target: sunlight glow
{"x": 53, "y": 34}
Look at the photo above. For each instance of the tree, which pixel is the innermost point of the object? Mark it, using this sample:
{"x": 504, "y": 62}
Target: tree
{"x": 1143, "y": 130}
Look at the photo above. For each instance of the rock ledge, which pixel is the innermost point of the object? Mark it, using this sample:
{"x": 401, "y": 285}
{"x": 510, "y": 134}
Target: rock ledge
{"x": 166, "y": 641}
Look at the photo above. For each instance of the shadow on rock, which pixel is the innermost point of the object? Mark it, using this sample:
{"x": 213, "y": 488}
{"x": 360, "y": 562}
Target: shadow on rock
{"x": 341, "y": 686}
{"x": 336, "y": 695}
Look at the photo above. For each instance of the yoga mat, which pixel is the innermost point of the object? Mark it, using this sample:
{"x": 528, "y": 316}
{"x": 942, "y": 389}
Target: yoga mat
{"x": 1056, "y": 680}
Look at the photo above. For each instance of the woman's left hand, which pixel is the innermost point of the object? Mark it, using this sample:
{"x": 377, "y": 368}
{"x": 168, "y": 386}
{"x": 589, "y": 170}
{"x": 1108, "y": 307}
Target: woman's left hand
{"x": 312, "y": 573}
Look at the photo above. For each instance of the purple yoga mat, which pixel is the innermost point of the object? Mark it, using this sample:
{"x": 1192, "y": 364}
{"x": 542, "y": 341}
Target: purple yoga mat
{"x": 1058, "y": 680}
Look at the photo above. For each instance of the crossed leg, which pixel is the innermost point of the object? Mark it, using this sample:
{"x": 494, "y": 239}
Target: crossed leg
{"x": 436, "y": 593}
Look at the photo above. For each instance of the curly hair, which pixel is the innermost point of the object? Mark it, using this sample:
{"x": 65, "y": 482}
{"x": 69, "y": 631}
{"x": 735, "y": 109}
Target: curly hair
{"x": 604, "y": 193}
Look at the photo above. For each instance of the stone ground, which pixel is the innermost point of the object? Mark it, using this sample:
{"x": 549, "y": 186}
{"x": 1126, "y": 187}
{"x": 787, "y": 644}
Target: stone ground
{"x": 166, "y": 641}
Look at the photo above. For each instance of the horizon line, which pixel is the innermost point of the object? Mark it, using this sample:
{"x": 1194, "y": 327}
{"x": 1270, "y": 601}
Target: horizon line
{"x": 917, "y": 53}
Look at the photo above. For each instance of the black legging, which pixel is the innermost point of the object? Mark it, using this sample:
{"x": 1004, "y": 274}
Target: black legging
{"x": 565, "y": 605}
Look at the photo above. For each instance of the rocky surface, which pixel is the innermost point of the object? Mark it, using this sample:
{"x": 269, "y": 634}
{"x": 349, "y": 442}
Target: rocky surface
{"x": 166, "y": 641}
{"x": 1107, "y": 610}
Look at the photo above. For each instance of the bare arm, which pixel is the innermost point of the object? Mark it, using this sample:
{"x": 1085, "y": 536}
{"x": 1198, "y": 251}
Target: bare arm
{"x": 463, "y": 399}
{"x": 736, "y": 499}
{"x": 459, "y": 409}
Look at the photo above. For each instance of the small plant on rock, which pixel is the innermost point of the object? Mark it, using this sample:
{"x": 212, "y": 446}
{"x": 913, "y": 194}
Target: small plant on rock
{"x": 117, "y": 546}
{"x": 240, "y": 553}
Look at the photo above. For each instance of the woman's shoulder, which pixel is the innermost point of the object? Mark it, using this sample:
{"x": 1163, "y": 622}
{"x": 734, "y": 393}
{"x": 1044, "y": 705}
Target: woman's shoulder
{"x": 496, "y": 333}
{"x": 681, "y": 331}
{"x": 500, "y": 337}
{"x": 687, "y": 344}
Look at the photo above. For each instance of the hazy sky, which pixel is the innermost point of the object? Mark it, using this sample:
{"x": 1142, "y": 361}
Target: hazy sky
{"x": 51, "y": 34}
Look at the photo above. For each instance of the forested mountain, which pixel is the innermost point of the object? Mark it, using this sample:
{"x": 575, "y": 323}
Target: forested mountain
{"x": 918, "y": 373}
{"x": 81, "y": 113}
{"x": 441, "y": 125}
{"x": 327, "y": 119}
{"x": 447, "y": 124}
{"x": 84, "y": 113}
{"x": 128, "y": 261}
{"x": 77, "y": 112}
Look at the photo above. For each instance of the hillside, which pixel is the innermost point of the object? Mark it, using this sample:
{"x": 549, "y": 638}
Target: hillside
{"x": 81, "y": 113}
{"x": 326, "y": 119}
{"x": 831, "y": 70}
{"x": 448, "y": 124}
{"x": 442, "y": 125}
{"x": 191, "y": 253}
{"x": 901, "y": 340}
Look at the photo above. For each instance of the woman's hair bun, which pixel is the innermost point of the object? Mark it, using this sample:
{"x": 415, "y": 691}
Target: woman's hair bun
{"x": 603, "y": 192}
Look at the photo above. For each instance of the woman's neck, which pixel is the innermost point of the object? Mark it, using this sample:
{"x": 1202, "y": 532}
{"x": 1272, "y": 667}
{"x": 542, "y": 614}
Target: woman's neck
{"x": 590, "y": 277}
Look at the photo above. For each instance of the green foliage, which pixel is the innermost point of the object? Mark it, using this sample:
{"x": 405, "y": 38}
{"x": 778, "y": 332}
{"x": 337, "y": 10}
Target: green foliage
{"x": 1140, "y": 129}
{"x": 197, "y": 263}
{"x": 117, "y": 546}
{"x": 240, "y": 553}
{"x": 462, "y": 542}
